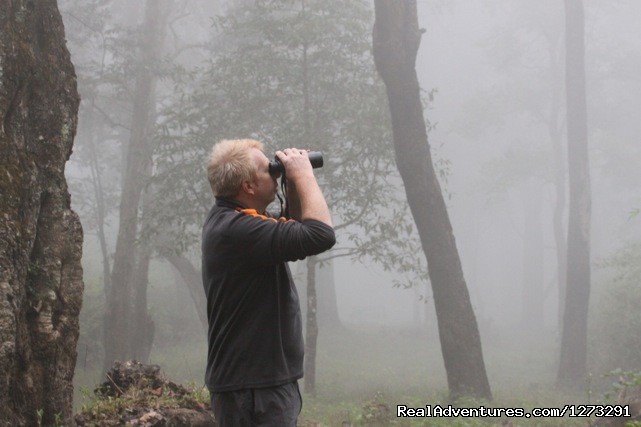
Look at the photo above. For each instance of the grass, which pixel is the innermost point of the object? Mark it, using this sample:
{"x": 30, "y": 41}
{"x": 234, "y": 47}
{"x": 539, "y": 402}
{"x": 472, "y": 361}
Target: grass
{"x": 362, "y": 374}
{"x": 139, "y": 401}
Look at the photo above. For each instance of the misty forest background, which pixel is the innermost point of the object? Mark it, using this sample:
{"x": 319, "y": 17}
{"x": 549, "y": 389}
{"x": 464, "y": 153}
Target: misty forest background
{"x": 161, "y": 81}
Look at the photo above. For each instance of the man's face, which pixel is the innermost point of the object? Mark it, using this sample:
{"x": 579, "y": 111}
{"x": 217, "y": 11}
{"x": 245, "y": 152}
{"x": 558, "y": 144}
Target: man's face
{"x": 266, "y": 185}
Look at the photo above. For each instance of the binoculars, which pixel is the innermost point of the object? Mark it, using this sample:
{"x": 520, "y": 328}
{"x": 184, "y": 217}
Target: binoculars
{"x": 315, "y": 158}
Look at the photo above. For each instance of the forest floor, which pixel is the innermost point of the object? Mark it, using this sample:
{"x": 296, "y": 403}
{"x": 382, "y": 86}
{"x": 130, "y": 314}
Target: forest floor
{"x": 363, "y": 374}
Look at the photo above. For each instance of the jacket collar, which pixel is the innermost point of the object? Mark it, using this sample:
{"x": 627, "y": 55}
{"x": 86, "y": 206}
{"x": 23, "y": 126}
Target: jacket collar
{"x": 228, "y": 202}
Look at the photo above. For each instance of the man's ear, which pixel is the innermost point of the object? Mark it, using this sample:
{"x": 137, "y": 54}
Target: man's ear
{"x": 247, "y": 187}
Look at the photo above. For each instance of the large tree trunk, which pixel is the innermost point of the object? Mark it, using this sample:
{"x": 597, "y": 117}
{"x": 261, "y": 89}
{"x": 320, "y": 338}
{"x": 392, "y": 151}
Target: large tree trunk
{"x": 572, "y": 367}
{"x": 120, "y": 310}
{"x": 396, "y": 41}
{"x": 40, "y": 236}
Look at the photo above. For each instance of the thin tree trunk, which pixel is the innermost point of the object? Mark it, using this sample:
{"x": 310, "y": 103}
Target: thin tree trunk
{"x": 311, "y": 328}
{"x": 428, "y": 309}
{"x": 192, "y": 278}
{"x": 301, "y": 288}
{"x": 396, "y": 41}
{"x": 327, "y": 304}
{"x": 572, "y": 367}
{"x": 416, "y": 308}
{"x": 559, "y": 233}
{"x": 119, "y": 313}
{"x": 311, "y": 333}
{"x": 142, "y": 335}
{"x": 96, "y": 182}
{"x": 554, "y": 130}
{"x": 40, "y": 236}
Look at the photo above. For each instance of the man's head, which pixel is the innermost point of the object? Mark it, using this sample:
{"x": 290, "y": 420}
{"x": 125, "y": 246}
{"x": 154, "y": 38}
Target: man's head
{"x": 239, "y": 169}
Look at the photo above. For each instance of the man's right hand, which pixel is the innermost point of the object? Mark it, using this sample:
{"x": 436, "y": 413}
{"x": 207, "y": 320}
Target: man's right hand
{"x": 296, "y": 163}
{"x": 299, "y": 170}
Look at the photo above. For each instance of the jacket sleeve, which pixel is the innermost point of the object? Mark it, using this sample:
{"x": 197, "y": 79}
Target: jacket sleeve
{"x": 267, "y": 241}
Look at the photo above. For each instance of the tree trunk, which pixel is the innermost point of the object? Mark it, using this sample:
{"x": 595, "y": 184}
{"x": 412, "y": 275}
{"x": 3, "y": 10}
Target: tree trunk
{"x": 396, "y": 41}
{"x": 311, "y": 332}
{"x": 327, "y": 305}
{"x": 428, "y": 309}
{"x": 555, "y": 130}
{"x": 416, "y": 308}
{"x": 311, "y": 325}
{"x": 142, "y": 334}
{"x": 559, "y": 234}
{"x": 40, "y": 236}
{"x": 100, "y": 209}
{"x": 119, "y": 315}
{"x": 572, "y": 367}
{"x": 194, "y": 282}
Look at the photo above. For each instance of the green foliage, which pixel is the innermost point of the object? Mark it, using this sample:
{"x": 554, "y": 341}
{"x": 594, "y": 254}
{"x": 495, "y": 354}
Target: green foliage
{"x": 93, "y": 37}
{"x": 623, "y": 380}
{"x": 292, "y": 74}
{"x": 375, "y": 411}
{"x": 616, "y": 325}
{"x": 57, "y": 418}
{"x": 106, "y": 51}
{"x": 141, "y": 399}
{"x": 199, "y": 394}
{"x": 358, "y": 363}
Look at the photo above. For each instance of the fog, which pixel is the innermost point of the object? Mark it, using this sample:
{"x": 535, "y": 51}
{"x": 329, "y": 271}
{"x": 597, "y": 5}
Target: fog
{"x": 493, "y": 77}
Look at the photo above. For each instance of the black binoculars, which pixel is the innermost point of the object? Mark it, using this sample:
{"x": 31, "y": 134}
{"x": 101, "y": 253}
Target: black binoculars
{"x": 315, "y": 158}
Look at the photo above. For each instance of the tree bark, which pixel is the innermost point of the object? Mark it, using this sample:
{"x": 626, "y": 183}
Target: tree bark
{"x": 572, "y": 367}
{"x": 120, "y": 315}
{"x": 40, "y": 236}
{"x": 396, "y": 39}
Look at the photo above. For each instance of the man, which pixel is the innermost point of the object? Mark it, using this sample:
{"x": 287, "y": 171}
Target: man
{"x": 255, "y": 330}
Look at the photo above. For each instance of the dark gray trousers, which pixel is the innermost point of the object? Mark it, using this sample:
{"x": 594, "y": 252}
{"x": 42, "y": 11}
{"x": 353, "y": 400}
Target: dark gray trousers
{"x": 277, "y": 406}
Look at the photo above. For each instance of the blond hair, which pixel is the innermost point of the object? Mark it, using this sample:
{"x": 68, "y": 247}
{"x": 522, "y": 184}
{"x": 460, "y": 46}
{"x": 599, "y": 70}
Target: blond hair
{"x": 230, "y": 164}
